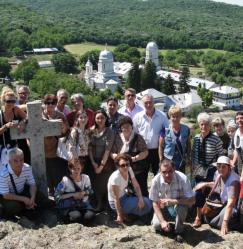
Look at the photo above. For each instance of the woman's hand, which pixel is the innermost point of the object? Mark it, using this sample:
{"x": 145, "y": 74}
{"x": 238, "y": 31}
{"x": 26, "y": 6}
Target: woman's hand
{"x": 199, "y": 186}
{"x": 79, "y": 195}
{"x": 99, "y": 169}
{"x": 12, "y": 124}
{"x": 141, "y": 203}
{"x": 120, "y": 219}
{"x": 165, "y": 226}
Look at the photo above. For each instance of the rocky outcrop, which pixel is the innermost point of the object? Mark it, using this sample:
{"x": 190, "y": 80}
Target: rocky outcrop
{"x": 24, "y": 235}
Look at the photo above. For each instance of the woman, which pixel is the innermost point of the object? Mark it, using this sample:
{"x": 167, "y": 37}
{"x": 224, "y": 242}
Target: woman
{"x": 206, "y": 149}
{"x": 102, "y": 139}
{"x": 175, "y": 141}
{"x": 56, "y": 167}
{"x": 227, "y": 184}
{"x": 11, "y": 116}
{"x": 72, "y": 194}
{"x": 132, "y": 143}
{"x": 118, "y": 200}
{"x": 219, "y": 130}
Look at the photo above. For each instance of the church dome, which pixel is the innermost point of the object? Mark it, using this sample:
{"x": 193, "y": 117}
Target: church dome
{"x": 88, "y": 63}
{"x": 152, "y": 45}
{"x": 106, "y": 55}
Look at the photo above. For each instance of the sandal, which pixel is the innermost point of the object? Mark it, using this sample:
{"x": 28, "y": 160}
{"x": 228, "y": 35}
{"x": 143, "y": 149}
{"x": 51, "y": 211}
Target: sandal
{"x": 197, "y": 223}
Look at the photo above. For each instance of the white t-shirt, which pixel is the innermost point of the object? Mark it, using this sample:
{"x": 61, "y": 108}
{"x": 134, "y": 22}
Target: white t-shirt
{"x": 68, "y": 187}
{"x": 117, "y": 179}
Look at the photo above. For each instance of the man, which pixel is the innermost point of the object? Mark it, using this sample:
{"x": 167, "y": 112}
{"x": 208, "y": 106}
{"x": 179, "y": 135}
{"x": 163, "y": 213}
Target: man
{"x": 17, "y": 185}
{"x": 78, "y": 105}
{"x": 114, "y": 115}
{"x": 62, "y": 97}
{"x": 171, "y": 194}
{"x": 130, "y": 109}
{"x": 148, "y": 123}
{"x": 238, "y": 144}
{"x": 23, "y": 93}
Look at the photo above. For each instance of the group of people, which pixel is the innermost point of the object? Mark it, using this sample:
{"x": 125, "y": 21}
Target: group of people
{"x": 102, "y": 161}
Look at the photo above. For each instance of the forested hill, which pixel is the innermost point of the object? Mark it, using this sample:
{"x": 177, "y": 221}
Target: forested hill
{"x": 171, "y": 23}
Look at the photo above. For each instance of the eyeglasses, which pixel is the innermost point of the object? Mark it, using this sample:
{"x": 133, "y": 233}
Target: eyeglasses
{"x": 165, "y": 172}
{"x": 64, "y": 97}
{"x": 130, "y": 95}
{"x": 50, "y": 103}
{"x": 124, "y": 165}
{"x": 10, "y": 101}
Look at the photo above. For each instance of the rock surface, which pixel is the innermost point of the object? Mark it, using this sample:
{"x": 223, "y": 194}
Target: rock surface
{"x": 21, "y": 234}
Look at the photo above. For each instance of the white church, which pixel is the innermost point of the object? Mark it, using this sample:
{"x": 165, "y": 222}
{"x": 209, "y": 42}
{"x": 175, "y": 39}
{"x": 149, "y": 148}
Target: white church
{"x": 108, "y": 74}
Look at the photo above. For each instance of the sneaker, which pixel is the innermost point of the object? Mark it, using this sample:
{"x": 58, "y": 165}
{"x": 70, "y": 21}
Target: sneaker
{"x": 179, "y": 238}
{"x": 74, "y": 215}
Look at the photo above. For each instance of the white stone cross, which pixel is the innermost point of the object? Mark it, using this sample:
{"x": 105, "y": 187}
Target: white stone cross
{"x": 36, "y": 129}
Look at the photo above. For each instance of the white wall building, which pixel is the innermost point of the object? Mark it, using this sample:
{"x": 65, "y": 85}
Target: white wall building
{"x": 105, "y": 72}
{"x": 122, "y": 68}
{"x": 184, "y": 100}
{"x": 226, "y": 96}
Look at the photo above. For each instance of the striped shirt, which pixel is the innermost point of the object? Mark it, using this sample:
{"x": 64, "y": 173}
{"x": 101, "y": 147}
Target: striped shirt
{"x": 206, "y": 151}
{"x": 179, "y": 187}
{"x": 25, "y": 177}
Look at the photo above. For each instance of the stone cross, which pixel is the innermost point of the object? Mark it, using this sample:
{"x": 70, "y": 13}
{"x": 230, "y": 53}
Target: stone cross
{"x": 36, "y": 129}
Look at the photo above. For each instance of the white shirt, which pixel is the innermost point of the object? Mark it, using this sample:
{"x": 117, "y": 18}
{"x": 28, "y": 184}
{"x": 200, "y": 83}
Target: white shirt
{"x": 124, "y": 111}
{"x": 150, "y": 128}
{"x": 117, "y": 179}
{"x": 25, "y": 177}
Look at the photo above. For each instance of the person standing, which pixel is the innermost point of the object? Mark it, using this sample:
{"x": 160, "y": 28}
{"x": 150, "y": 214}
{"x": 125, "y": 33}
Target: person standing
{"x": 113, "y": 114}
{"x": 148, "y": 123}
{"x": 130, "y": 108}
{"x": 78, "y": 106}
{"x": 62, "y": 98}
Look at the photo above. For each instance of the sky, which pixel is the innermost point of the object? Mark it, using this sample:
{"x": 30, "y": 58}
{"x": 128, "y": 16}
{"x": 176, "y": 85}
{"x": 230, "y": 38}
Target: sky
{"x": 238, "y": 2}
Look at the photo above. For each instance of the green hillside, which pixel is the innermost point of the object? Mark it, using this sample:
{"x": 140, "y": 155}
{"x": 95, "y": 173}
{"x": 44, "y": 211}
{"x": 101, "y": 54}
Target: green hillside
{"x": 172, "y": 24}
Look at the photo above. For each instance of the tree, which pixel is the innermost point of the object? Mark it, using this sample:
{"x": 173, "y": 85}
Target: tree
{"x": 148, "y": 76}
{"x": 26, "y": 70}
{"x": 65, "y": 63}
{"x": 93, "y": 56}
{"x": 134, "y": 77}
{"x": 168, "y": 86}
{"x": 184, "y": 78}
{"x": 4, "y": 67}
{"x": 206, "y": 95}
{"x": 48, "y": 81}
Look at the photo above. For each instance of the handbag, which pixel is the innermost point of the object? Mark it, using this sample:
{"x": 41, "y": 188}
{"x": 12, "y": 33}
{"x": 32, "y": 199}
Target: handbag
{"x": 213, "y": 204}
{"x": 129, "y": 190}
{"x": 138, "y": 166}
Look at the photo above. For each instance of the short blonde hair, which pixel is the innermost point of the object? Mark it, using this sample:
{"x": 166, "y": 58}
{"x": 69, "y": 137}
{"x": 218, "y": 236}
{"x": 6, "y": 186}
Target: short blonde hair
{"x": 174, "y": 110}
{"x": 6, "y": 91}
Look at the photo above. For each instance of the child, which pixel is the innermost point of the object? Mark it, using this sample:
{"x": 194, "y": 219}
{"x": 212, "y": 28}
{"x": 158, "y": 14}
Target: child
{"x": 72, "y": 194}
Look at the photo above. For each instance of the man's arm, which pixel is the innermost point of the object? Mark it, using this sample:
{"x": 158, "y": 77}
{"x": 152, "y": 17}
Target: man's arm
{"x": 163, "y": 223}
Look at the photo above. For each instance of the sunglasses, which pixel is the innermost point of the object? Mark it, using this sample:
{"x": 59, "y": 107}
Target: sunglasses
{"x": 10, "y": 101}
{"x": 50, "y": 103}
{"x": 124, "y": 165}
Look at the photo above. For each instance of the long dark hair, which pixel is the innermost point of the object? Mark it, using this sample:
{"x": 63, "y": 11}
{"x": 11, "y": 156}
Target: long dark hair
{"x": 102, "y": 111}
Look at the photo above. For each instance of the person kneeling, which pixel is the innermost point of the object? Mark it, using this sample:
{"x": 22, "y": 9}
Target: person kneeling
{"x": 17, "y": 185}
{"x": 72, "y": 194}
{"x": 121, "y": 203}
{"x": 171, "y": 194}
{"x": 226, "y": 186}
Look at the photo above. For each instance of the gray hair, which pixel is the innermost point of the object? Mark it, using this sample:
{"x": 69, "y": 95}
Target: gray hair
{"x": 60, "y": 91}
{"x": 78, "y": 96}
{"x": 203, "y": 116}
{"x": 15, "y": 152}
{"x": 149, "y": 96}
{"x": 24, "y": 87}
